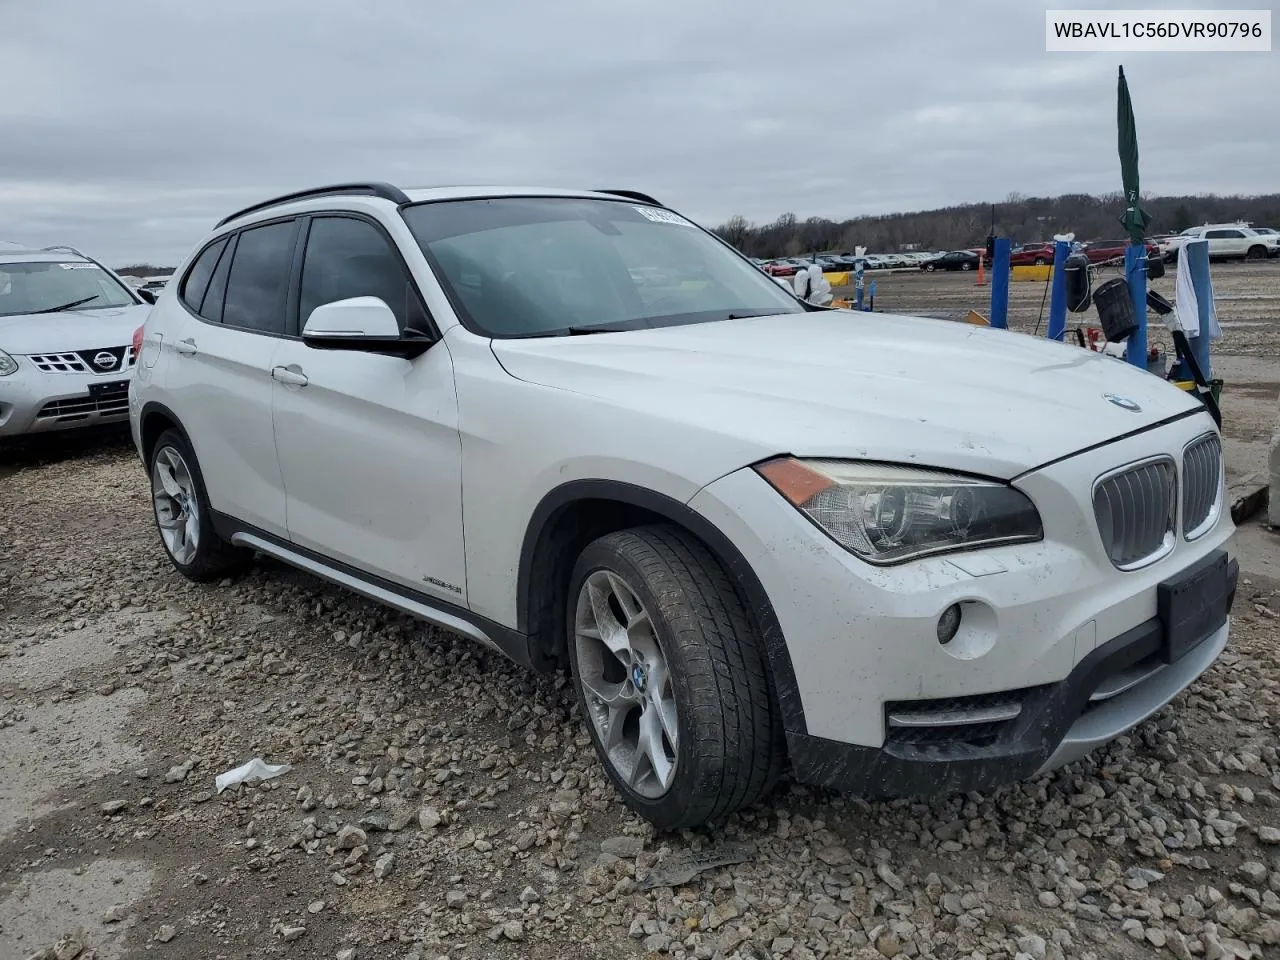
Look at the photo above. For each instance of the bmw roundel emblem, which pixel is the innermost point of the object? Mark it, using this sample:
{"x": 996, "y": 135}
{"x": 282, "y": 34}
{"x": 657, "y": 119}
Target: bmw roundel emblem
{"x": 1124, "y": 403}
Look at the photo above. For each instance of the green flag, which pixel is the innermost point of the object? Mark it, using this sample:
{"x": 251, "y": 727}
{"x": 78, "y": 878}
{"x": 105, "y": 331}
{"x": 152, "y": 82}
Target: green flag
{"x": 1135, "y": 219}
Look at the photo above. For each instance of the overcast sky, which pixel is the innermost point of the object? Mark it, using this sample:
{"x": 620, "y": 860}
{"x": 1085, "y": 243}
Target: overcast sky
{"x": 130, "y": 127}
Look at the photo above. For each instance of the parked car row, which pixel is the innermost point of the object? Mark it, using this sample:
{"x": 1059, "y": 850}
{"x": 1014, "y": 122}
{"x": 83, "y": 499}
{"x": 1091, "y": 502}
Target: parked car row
{"x": 839, "y": 262}
{"x": 1226, "y": 241}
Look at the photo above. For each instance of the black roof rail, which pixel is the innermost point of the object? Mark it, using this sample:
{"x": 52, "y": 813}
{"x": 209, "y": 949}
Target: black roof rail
{"x": 373, "y": 189}
{"x": 632, "y": 195}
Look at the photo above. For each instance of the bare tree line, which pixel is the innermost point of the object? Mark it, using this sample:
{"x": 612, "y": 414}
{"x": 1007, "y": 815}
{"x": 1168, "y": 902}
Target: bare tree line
{"x": 1023, "y": 219}
{"x": 144, "y": 270}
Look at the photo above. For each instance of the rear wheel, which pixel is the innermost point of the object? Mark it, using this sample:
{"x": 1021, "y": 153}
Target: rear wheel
{"x": 671, "y": 677}
{"x": 965, "y": 265}
{"x": 1041, "y": 261}
{"x": 180, "y": 507}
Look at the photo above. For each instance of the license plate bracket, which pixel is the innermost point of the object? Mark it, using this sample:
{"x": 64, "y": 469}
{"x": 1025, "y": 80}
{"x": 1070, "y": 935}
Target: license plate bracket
{"x": 1193, "y": 604}
{"x": 113, "y": 386}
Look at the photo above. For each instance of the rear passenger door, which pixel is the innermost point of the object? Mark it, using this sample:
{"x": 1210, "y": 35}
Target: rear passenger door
{"x": 1226, "y": 242}
{"x": 235, "y": 297}
{"x": 368, "y": 444}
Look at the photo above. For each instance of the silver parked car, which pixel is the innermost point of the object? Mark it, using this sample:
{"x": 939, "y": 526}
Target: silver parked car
{"x": 66, "y": 331}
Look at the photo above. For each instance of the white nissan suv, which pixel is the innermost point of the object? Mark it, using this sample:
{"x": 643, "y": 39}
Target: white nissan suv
{"x": 894, "y": 555}
{"x": 65, "y": 322}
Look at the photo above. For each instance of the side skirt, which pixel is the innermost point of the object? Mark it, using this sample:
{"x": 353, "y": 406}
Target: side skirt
{"x": 510, "y": 643}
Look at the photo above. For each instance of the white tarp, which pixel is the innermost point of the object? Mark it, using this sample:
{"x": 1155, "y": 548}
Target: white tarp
{"x": 1186, "y": 313}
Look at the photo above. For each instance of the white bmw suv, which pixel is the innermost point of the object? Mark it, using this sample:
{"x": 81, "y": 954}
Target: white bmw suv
{"x": 894, "y": 555}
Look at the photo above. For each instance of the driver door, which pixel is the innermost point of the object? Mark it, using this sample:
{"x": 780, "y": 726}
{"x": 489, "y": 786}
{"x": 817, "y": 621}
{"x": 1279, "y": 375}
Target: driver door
{"x": 368, "y": 444}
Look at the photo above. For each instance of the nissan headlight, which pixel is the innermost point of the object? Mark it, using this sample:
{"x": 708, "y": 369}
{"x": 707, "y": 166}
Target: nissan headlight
{"x": 890, "y": 514}
{"x": 8, "y": 365}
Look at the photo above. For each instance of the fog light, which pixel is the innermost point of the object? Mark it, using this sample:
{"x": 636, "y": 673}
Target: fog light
{"x": 949, "y": 623}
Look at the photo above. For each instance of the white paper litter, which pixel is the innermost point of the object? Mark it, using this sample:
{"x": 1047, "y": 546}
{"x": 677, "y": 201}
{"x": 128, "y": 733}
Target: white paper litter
{"x": 255, "y": 769}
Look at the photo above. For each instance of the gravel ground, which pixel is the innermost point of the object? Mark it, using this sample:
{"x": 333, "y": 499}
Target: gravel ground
{"x": 443, "y": 803}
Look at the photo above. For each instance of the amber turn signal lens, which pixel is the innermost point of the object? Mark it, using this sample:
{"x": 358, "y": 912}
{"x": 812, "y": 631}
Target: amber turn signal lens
{"x": 795, "y": 481}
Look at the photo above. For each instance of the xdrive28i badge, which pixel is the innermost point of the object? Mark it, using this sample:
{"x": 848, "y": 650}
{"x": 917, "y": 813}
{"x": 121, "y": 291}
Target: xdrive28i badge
{"x": 1124, "y": 403}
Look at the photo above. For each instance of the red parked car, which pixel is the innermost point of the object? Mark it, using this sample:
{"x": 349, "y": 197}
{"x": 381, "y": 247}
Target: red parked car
{"x": 1032, "y": 254}
{"x": 781, "y": 268}
{"x": 1101, "y": 251}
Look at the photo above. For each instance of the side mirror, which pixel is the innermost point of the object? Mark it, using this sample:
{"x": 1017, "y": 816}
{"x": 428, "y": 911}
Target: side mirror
{"x": 147, "y": 296}
{"x": 366, "y": 324}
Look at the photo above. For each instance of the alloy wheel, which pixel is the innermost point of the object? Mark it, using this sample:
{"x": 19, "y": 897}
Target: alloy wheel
{"x": 177, "y": 507}
{"x": 626, "y": 683}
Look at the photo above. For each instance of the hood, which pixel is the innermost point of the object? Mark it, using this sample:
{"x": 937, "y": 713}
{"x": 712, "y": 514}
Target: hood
{"x": 861, "y": 385}
{"x": 71, "y": 330}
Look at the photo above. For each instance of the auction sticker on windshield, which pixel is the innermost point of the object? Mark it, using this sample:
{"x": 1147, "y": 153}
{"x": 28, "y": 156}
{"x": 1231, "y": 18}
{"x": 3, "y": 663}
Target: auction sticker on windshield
{"x": 662, "y": 216}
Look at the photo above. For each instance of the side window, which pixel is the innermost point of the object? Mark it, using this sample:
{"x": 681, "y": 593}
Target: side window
{"x": 211, "y": 308}
{"x": 196, "y": 282}
{"x": 1222, "y": 234}
{"x": 346, "y": 258}
{"x": 259, "y": 278}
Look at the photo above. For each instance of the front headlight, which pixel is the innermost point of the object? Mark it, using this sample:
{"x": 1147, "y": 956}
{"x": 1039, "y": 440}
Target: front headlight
{"x": 8, "y": 365}
{"x": 888, "y": 514}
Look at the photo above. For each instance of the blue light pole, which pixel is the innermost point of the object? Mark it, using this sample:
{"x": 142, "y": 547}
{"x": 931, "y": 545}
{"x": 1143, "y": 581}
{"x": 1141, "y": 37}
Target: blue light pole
{"x": 1135, "y": 272}
{"x": 1058, "y": 292}
{"x": 1000, "y": 283}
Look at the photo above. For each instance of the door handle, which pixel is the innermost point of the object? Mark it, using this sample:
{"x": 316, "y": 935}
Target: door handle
{"x": 290, "y": 375}
{"x": 186, "y": 347}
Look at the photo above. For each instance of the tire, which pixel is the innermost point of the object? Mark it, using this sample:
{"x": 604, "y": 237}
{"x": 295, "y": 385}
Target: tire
{"x": 178, "y": 497}
{"x": 964, "y": 266}
{"x": 698, "y": 668}
{"x": 1040, "y": 261}
{"x": 929, "y": 268}
{"x": 1257, "y": 252}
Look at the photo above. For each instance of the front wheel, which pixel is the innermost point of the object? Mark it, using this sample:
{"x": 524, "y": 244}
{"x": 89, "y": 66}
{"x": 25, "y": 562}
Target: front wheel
{"x": 1256, "y": 253}
{"x": 672, "y": 678}
{"x": 181, "y": 509}
{"x": 929, "y": 268}
{"x": 1040, "y": 261}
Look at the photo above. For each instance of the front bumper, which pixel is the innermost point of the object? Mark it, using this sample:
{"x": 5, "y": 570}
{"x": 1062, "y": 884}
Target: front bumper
{"x": 1059, "y": 723}
{"x": 32, "y": 401}
{"x": 854, "y": 641}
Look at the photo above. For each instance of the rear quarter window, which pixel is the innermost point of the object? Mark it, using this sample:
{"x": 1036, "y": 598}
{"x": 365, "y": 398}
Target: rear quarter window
{"x": 196, "y": 283}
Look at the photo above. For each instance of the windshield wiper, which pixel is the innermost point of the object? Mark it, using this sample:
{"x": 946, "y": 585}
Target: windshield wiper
{"x": 67, "y": 306}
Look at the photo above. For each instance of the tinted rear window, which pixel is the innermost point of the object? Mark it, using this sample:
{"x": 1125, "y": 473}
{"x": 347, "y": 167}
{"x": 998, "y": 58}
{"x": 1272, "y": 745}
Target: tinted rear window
{"x": 259, "y": 279}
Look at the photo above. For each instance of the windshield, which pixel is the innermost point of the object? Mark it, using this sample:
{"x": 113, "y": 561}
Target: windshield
{"x": 546, "y": 266}
{"x": 32, "y": 287}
